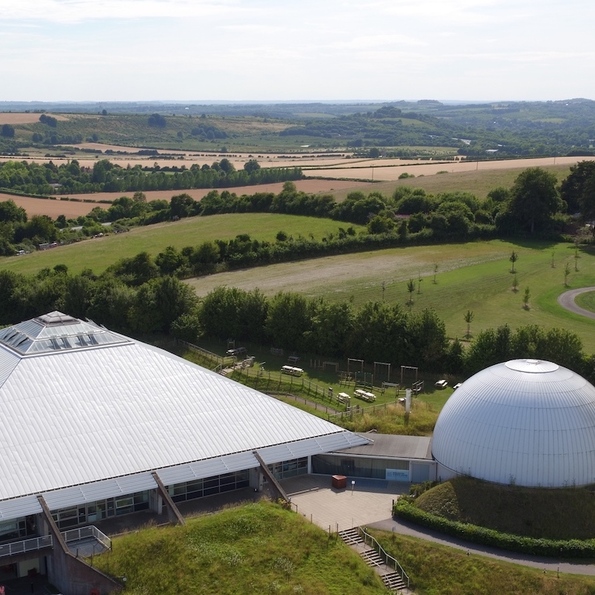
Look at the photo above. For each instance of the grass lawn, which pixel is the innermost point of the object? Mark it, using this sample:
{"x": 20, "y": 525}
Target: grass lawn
{"x": 586, "y": 300}
{"x": 97, "y": 254}
{"x": 474, "y": 276}
{"x": 260, "y": 548}
{"x": 560, "y": 513}
{"x": 310, "y": 392}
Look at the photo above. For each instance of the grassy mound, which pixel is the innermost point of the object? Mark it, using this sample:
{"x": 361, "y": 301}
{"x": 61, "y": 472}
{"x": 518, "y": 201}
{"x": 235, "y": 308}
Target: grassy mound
{"x": 437, "y": 569}
{"x": 566, "y": 513}
{"x": 255, "y": 548}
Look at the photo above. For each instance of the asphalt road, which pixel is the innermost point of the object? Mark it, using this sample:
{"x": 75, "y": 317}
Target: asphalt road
{"x": 566, "y": 300}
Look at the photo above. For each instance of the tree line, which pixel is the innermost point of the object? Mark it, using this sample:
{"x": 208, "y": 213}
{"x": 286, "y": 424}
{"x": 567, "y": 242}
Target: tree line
{"x": 535, "y": 206}
{"x": 48, "y": 179}
{"x": 144, "y": 294}
{"x": 377, "y": 331}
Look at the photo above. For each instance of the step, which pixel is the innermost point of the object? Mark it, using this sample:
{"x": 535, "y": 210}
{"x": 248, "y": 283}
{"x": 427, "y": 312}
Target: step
{"x": 372, "y": 558}
{"x": 351, "y": 536}
{"x": 394, "y": 581}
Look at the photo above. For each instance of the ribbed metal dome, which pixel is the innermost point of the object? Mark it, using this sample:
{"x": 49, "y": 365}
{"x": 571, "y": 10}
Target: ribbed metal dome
{"x": 525, "y": 422}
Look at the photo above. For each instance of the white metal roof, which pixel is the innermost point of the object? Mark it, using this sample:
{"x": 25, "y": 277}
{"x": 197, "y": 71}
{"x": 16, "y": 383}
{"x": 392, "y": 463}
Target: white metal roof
{"x": 98, "y": 416}
{"x": 526, "y": 422}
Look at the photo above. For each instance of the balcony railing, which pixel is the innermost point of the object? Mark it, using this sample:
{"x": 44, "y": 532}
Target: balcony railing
{"x": 85, "y": 533}
{"x": 37, "y": 543}
{"x": 27, "y": 545}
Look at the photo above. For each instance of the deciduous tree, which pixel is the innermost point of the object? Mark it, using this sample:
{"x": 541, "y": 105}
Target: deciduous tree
{"x": 534, "y": 200}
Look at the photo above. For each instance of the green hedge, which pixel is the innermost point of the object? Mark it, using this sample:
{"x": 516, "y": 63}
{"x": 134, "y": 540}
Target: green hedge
{"x": 573, "y": 548}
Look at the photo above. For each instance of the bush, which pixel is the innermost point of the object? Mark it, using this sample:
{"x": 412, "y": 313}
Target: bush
{"x": 573, "y": 548}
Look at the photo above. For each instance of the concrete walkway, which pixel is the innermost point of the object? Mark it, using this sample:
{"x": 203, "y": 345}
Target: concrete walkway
{"x": 370, "y": 504}
{"x": 367, "y": 501}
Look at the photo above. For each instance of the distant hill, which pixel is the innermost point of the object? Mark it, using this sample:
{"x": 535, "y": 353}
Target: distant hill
{"x": 400, "y": 128}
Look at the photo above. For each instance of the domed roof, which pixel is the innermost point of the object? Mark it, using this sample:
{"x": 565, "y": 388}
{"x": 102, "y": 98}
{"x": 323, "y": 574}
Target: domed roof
{"x": 523, "y": 422}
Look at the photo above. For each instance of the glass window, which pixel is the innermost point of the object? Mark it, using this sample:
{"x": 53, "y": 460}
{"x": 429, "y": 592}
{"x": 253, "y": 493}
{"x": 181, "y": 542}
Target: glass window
{"x": 289, "y": 468}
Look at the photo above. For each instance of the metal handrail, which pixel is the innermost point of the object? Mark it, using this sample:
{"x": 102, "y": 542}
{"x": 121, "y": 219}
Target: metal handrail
{"x": 384, "y": 554}
{"x": 26, "y": 545}
{"x": 38, "y": 543}
{"x": 86, "y": 533}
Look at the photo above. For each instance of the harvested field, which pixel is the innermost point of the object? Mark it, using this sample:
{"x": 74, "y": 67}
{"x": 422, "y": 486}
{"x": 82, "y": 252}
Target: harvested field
{"x": 389, "y": 170}
{"x": 72, "y": 209}
{"x": 52, "y": 208}
{"x": 326, "y": 174}
{"x": 24, "y": 118}
{"x": 309, "y": 186}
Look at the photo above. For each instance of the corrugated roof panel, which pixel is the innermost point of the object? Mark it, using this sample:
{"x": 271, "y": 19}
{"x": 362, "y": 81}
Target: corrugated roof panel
{"x": 208, "y": 468}
{"x": 19, "y": 507}
{"x": 82, "y": 416}
{"x": 101, "y": 490}
{"x": 8, "y": 362}
{"x": 312, "y": 446}
{"x": 64, "y": 498}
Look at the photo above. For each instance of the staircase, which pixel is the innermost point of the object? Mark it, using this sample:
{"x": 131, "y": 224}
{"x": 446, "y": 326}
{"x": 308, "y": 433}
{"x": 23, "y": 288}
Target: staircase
{"x": 393, "y": 576}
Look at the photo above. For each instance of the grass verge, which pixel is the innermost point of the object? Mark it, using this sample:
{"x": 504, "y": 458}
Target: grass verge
{"x": 436, "y": 569}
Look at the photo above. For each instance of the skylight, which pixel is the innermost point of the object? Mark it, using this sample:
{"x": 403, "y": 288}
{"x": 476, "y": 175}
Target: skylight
{"x": 55, "y": 332}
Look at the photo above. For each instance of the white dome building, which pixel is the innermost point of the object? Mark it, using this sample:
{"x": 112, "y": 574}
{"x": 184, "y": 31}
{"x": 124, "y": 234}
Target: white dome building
{"x": 523, "y": 422}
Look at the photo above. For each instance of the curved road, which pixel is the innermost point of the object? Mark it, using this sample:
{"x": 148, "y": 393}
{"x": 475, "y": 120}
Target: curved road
{"x": 566, "y": 300}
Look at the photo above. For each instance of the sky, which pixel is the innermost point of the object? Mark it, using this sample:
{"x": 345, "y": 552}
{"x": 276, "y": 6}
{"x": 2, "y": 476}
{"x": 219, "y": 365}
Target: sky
{"x": 296, "y": 50}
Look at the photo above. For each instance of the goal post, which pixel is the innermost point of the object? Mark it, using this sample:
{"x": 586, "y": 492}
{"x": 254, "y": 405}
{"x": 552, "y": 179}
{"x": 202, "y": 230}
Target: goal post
{"x": 381, "y": 372}
{"x": 407, "y": 372}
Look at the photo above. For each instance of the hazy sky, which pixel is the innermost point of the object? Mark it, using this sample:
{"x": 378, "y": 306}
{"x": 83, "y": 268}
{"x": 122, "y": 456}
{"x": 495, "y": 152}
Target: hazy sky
{"x": 108, "y": 50}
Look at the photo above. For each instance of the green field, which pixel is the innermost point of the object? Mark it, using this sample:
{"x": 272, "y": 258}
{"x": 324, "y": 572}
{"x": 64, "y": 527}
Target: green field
{"x": 438, "y": 569}
{"x": 97, "y": 254}
{"x": 471, "y": 276}
{"x": 474, "y": 276}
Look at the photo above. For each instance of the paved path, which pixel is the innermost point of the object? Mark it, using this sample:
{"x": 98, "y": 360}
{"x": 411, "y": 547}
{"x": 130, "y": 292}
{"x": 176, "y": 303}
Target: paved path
{"x": 335, "y": 510}
{"x": 566, "y": 300}
{"x": 370, "y": 504}
{"x": 549, "y": 565}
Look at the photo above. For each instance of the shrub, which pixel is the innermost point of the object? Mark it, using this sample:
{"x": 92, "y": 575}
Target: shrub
{"x": 572, "y": 548}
